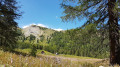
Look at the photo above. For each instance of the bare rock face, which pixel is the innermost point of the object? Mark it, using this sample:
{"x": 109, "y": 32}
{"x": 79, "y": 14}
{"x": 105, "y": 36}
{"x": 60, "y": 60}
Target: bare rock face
{"x": 34, "y": 30}
{"x": 37, "y": 31}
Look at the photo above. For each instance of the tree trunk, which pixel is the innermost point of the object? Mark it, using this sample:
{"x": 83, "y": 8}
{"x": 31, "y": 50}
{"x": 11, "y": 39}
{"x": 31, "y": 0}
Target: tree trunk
{"x": 113, "y": 33}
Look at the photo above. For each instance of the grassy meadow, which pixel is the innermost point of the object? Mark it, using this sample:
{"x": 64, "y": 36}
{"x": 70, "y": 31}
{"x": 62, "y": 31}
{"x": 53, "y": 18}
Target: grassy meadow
{"x": 9, "y": 59}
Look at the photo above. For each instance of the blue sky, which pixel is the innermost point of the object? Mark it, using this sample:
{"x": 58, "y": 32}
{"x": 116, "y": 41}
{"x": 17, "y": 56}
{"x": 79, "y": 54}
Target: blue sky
{"x": 44, "y": 13}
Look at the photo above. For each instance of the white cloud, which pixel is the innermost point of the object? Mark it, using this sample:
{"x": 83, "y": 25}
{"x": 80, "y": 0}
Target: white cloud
{"x": 25, "y": 26}
{"x": 58, "y": 29}
{"x": 42, "y": 25}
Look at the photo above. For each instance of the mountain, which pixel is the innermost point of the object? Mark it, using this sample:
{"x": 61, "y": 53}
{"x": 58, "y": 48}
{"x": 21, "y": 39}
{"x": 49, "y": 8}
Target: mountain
{"x": 37, "y": 31}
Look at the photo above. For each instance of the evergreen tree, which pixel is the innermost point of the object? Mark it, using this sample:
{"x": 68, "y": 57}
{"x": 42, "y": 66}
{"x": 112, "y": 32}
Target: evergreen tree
{"x": 104, "y": 13}
{"x": 8, "y": 25}
{"x": 77, "y": 53}
{"x": 33, "y": 50}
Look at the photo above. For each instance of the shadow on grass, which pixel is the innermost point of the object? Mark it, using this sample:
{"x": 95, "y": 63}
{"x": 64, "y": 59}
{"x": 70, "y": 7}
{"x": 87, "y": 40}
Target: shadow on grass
{"x": 7, "y": 49}
{"x": 20, "y": 53}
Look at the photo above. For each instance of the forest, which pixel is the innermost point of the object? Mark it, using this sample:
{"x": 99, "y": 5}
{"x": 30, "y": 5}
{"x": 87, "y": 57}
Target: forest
{"x": 79, "y": 42}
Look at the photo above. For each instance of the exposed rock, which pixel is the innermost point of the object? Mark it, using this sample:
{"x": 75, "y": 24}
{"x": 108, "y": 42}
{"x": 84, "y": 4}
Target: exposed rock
{"x": 37, "y": 31}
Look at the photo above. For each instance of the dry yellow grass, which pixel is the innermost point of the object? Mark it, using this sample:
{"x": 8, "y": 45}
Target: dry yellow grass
{"x": 12, "y": 59}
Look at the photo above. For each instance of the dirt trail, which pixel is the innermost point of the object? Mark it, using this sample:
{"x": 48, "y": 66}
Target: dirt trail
{"x": 74, "y": 59}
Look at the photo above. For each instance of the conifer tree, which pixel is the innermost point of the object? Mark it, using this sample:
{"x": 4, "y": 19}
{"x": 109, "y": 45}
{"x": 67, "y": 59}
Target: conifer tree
{"x": 104, "y": 13}
{"x": 8, "y": 25}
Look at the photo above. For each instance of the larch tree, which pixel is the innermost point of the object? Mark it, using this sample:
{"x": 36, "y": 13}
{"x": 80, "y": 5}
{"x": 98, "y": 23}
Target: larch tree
{"x": 8, "y": 25}
{"x": 104, "y": 13}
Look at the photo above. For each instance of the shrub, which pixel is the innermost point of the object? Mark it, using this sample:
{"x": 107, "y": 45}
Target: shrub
{"x": 33, "y": 51}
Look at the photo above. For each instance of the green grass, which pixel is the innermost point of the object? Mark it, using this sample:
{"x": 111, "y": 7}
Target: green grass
{"x": 48, "y": 53}
{"x": 79, "y": 57}
{"x": 27, "y": 51}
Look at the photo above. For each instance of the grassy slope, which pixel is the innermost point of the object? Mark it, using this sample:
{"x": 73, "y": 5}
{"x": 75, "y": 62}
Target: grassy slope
{"x": 48, "y": 32}
{"x": 50, "y": 54}
{"x": 46, "y": 60}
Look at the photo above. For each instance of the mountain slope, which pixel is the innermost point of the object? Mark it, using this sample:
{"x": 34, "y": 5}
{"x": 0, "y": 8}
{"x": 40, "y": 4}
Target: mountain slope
{"x": 37, "y": 31}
